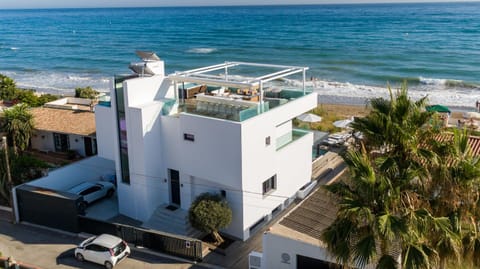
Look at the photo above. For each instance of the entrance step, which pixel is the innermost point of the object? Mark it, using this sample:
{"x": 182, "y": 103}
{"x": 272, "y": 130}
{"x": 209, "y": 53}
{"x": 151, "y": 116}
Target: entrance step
{"x": 172, "y": 221}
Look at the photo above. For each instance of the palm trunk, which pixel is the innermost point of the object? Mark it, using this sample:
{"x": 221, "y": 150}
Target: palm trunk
{"x": 15, "y": 147}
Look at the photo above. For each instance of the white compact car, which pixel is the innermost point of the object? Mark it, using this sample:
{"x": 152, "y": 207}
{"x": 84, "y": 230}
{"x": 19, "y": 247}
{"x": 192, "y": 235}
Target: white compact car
{"x": 103, "y": 249}
{"x": 93, "y": 191}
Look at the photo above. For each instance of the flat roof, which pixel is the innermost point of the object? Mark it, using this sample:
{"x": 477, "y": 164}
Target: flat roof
{"x": 230, "y": 79}
{"x": 65, "y": 121}
{"x": 307, "y": 221}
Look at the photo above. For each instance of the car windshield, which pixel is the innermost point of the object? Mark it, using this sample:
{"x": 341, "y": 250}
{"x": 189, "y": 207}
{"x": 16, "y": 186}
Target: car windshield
{"x": 89, "y": 240}
{"x": 119, "y": 248}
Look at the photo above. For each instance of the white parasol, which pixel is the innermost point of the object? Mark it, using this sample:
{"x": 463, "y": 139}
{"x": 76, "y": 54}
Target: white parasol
{"x": 309, "y": 117}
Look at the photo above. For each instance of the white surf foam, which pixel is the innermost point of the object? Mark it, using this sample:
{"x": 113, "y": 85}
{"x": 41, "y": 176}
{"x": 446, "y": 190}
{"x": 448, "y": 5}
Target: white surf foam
{"x": 202, "y": 50}
{"x": 329, "y": 91}
{"x": 432, "y": 81}
{"x": 58, "y": 83}
{"x": 354, "y": 93}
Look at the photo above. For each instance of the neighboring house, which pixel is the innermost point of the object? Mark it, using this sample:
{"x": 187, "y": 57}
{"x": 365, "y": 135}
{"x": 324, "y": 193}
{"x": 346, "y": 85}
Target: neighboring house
{"x": 175, "y": 137}
{"x": 294, "y": 242}
{"x": 64, "y": 125}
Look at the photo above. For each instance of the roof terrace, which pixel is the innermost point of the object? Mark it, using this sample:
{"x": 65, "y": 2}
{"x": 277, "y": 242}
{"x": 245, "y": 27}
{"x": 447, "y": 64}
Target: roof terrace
{"x": 234, "y": 94}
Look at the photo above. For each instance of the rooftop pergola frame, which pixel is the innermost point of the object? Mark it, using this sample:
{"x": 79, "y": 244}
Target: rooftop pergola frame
{"x": 229, "y": 79}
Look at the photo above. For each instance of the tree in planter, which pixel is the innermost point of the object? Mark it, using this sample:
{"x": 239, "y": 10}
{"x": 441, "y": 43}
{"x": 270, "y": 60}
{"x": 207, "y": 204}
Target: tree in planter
{"x": 209, "y": 213}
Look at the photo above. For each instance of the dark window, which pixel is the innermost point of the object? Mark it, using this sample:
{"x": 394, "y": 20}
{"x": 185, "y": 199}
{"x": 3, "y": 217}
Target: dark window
{"x": 269, "y": 185}
{"x": 267, "y": 140}
{"x": 255, "y": 225}
{"x": 61, "y": 141}
{"x": 90, "y": 190}
{"x": 223, "y": 193}
{"x": 276, "y": 210}
{"x": 122, "y": 129}
{"x": 94, "y": 247}
{"x": 189, "y": 137}
{"x": 308, "y": 262}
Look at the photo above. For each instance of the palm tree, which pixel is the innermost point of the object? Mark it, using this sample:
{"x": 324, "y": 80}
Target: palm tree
{"x": 384, "y": 216}
{"x": 19, "y": 125}
{"x": 454, "y": 191}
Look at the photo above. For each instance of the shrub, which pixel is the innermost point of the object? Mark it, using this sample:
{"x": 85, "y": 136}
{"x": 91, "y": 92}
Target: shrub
{"x": 86, "y": 92}
{"x": 209, "y": 213}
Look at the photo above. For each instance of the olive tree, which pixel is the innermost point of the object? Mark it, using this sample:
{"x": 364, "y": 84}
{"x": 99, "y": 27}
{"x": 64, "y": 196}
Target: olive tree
{"x": 209, "y": 213}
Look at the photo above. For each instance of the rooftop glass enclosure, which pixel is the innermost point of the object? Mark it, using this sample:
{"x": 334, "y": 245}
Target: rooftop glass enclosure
{"x": 231, "y": 91}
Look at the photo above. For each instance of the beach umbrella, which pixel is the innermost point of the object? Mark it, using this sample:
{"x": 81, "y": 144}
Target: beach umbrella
{"x": 471, "y": 115}
{"x": 342, "y": 123}
{"x": 438, "y": 108}
{"x": 309, "y": 117}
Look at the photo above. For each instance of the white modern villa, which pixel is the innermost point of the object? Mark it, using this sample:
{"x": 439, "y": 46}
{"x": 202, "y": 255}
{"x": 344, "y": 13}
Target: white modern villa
{"x": 225, "y": 128}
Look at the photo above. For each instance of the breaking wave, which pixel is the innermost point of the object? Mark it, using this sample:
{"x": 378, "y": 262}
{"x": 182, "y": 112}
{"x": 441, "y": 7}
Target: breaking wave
{"x": 202, "y": 50}
{"x": 450, "y": 83}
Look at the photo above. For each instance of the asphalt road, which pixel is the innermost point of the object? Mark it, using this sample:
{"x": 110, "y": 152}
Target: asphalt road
{"x": 50, "y": 249}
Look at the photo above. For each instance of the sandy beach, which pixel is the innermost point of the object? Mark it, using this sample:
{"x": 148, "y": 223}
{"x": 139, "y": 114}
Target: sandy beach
{"x": 351, "y": 110}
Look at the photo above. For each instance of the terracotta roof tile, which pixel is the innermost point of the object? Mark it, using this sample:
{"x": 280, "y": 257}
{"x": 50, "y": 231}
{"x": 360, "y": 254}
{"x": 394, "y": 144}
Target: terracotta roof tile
{"x": 64, "y": 121}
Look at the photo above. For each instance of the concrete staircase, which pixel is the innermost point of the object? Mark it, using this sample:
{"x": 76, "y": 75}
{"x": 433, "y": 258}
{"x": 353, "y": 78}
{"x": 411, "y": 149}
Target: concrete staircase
{"x": 172, "y": 221}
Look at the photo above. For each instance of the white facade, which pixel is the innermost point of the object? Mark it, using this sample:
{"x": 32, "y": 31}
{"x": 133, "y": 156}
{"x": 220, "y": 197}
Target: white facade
{"x": 235, "y": 157}
{"x": 280, "y": 252}
{"x": 44, "y": 141}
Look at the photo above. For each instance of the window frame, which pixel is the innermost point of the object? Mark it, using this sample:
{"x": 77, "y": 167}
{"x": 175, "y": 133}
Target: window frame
{"x": 269, "y": 185}
{"x": 189, "y": 137}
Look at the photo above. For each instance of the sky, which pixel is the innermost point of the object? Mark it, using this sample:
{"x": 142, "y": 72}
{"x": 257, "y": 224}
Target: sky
{"x": 26, "y": 4}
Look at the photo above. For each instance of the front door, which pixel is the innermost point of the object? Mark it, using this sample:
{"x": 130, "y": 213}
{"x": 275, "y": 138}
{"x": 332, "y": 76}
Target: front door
{"x": 175, "y": 187}
{"x": 88, "y": 146}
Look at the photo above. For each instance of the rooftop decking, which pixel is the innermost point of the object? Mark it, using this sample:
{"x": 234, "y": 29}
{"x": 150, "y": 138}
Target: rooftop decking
{"x": 235, "y": 96}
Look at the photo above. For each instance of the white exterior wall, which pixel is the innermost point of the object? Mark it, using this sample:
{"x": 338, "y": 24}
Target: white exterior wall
{"x": 106, "y": 128}
{"x": 43, "y": 140}
{"x": 142, "y": 90}
{"x": 275, "y": 245}
{"x": 147, "y": 188}
{"x": 291, "y": 164}
{"x": 225, "y": 155}
{"x": 76, "y": 143}
{"x": 144, "y": 194}
{"x": 209, "y": 164}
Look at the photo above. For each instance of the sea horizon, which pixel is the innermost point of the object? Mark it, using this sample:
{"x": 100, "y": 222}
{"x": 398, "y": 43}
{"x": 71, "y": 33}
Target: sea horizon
{"x": 353, "y": 50}
{"x": 240, "y": 5}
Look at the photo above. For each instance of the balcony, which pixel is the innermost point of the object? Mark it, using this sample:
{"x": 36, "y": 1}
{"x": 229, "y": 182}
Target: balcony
{"x": 235, "y": 107}
{"x": 240, "y": 92}
{"x": 290, "y": 138}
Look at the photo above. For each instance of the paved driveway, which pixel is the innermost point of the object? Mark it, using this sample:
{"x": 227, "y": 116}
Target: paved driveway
{"x": 50, "y": 249}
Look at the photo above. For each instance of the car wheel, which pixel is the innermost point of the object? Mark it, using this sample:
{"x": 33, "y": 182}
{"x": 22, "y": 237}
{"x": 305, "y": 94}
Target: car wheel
{"x": 79, "y": 257}
{"x": 82, "y": 206}
{"x": 108, "y": 265}
{"x": 110, "y": 193}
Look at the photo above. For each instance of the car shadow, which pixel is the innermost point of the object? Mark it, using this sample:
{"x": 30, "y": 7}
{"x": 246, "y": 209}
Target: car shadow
{"x": 67, "y": 258}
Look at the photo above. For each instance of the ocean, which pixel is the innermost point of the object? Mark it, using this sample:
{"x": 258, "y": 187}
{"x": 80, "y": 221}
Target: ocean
{"x": 353, "y": 51}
